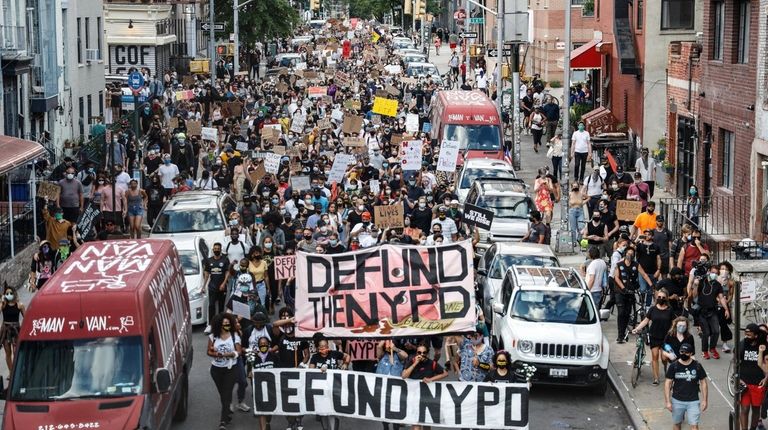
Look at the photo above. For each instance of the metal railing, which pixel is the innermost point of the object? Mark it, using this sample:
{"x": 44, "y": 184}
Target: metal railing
{"x": 22, "y": 230}
{"x": 721, "y": 217}
{"x": 14, "y": 39}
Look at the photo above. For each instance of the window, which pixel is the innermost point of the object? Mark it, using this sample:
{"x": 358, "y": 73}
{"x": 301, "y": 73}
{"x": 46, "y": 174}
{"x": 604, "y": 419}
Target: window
{"x": 742, "y": 49}
{"x": 89, "y": 103}
{"x": 98, "y": 33}
{"x": 727, "y": 139}
{"x": 81, "y": 106}
{"x": 65, "y": 36}
{"x": 79, "y": 43}
{"x": 87, "y": 33}
{"x": 639, "y": 22}
{"x": 677, "y": 14}
{"x": 718, "y": 29}
{"x": 101, "y": 104}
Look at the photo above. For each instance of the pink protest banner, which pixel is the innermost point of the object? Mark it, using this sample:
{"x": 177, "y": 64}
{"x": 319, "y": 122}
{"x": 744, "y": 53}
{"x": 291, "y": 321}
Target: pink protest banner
{"x": 361, "y": 350}
{"x": 388, "y": 291}
{"x": 285, "y": 267}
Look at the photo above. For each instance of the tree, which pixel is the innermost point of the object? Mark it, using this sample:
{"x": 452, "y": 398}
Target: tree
{"x": 260, "y": 20}
{"x": 367, "y": 9}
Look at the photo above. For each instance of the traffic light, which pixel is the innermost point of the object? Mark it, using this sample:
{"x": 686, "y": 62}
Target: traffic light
{"x": 407, "y": 7}
{"x": 417, "y": 9}
{"x": 421, "y": 8}
{"x": 314, "y": 4}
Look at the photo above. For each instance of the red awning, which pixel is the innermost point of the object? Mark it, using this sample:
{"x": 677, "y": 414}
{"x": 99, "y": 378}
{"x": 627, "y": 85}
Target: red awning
{"x": 17, "y": 152}
{"x": 586, "y": 56}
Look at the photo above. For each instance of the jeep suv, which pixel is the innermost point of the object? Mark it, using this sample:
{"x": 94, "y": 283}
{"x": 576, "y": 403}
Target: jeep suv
{"x": 508, "y": 199}
{"x": 545, "y": 317}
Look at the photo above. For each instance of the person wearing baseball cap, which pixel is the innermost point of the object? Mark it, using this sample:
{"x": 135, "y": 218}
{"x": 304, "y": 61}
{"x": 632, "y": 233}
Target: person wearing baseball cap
{"x": 449, "y": 229}
{"x": 685, "y": 378}
{"x": 752, "y": 371}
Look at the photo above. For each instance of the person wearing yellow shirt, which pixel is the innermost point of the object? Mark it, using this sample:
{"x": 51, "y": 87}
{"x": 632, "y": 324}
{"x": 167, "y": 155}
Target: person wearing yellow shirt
{"x": 257, "y": 267}
{"x": 645, "y": 221}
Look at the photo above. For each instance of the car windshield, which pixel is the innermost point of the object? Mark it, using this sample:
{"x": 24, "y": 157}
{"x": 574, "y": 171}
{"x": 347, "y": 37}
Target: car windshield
{"x": 79, "y": 368}
{"x": 186, "y": 221}
{"x": 189, "y": 262}
{"x": 474, "y": 137}
{"x": 503, "y": 262}
{"x": 422, "y": 70}
{"x": 471, "y": 174}
{"x": 506, "y": 206}
{"x": 553, "y": 307}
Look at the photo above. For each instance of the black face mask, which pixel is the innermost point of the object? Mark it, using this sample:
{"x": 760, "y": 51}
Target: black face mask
{"x": 685, "y": 357}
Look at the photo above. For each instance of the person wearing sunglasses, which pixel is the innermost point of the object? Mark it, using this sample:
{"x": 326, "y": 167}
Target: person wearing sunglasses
{"x": 660, "y": 318}
{"x": 421, "y": 367}
{"x": 224, "y": 349}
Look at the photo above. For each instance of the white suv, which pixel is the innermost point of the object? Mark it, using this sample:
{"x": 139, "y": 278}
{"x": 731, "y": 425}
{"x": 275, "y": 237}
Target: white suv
{"x": 545, "y": 317}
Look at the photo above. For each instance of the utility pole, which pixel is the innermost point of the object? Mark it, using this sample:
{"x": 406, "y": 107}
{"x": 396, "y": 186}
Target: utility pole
{"x": 465, "y": 40}
{"x": 499, "y": 53}
{"x": 212, "y": 42}
{"x": 236, "y": 6}
{"x": 565, "y": 232}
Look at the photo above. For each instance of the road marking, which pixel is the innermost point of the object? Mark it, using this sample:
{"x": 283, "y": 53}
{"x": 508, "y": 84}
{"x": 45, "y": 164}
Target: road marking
{"x": 726, "y": 399}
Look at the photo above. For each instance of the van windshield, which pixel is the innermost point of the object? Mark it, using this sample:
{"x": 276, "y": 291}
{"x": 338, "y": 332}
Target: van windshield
{"x": 553, "y": 307}
{"x": 474, "y": 137}
{"x": 79, "y": 368}
{"x": 470, "y": 175}
{"x": 186, "y": 221}
{"x": 507, "y": 206}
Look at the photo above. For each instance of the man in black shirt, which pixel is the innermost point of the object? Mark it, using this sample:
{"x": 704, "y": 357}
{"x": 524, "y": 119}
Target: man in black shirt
{"x": 649, "y": 257}
{"x": 215, "y": 277}
{"x": 420, "y": 366}
{"x": 676, "y": 287}
{"x": 752, "y": 371}
{"x": 538, "y": 231}
{"x": 662, "y": 237}
{"x": 608, "y": 217}
{"x": 685, "y": 378}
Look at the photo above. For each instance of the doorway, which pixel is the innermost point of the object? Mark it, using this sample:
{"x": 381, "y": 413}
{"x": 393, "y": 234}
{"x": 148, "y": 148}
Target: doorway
{"x": 686, "y": 157}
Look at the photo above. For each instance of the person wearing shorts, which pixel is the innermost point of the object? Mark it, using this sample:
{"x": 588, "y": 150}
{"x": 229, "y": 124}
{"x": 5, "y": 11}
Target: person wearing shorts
{"x": 685, "y": 379}
{"x": 136, "y": 200}
{"x": 752, "y": 371}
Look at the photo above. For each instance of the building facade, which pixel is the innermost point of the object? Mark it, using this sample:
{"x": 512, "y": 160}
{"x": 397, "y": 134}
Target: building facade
{"x": 759, "y": 153}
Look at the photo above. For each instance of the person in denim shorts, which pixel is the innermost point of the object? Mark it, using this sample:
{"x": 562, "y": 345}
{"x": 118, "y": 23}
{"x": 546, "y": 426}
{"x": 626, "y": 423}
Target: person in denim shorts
{"x": 685, "y": 379}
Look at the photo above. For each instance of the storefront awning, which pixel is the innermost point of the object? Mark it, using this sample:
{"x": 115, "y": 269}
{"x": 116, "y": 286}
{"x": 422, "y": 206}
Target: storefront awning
{"x": 586, "y": 56}
{"x": 17, "y": 152}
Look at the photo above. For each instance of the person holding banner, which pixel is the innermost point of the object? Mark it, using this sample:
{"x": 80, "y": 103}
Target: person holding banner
{"x": 260, "y": 357}
{"x": 224, "y": 349}
{"x": 474, "y": 358}
{"x": 423, "y": 368}
{"x": 501, "y": 371}
{"x": 326, "y": 359}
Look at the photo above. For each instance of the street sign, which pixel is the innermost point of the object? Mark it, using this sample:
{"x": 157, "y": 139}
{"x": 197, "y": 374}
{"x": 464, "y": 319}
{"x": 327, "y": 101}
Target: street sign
{"x": 493, "y": 52}
{"x": 206, "y": 26}
{"x": 460, "y": 14}
{"x": 478, "y": 20}
{"x": 468, "y": 35}
{"x": 136, "y": 82}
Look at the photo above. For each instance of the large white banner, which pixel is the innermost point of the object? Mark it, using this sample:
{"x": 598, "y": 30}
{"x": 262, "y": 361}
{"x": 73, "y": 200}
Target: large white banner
{"x": 390, "y": 399}
{"x": 386, "y": 291}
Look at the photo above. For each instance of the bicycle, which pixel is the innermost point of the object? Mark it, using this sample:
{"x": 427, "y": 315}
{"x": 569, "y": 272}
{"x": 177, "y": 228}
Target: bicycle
{"x": 735, "y": 386}
{"x": 637, "y": 364}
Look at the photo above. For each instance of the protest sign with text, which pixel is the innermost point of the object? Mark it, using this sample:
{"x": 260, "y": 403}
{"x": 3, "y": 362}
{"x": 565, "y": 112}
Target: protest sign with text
{"x": 285, "y": 267}
{"x": 449, "y": 155}
{"x": 386, "y": 291}
{"x": 391, "y": 399}
{"x": 389, "y": 216}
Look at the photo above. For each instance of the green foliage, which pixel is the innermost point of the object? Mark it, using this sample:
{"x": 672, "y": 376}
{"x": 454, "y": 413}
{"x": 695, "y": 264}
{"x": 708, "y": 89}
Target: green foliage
{"x": 578, "y": 110}
{"x": 555, "y": 84}
{"x": 260, "y": 20}
{"x": 588, "y": 8}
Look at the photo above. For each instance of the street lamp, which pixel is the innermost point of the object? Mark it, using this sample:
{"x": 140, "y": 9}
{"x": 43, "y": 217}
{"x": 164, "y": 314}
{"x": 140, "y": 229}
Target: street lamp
{"x": 237, "y": 5}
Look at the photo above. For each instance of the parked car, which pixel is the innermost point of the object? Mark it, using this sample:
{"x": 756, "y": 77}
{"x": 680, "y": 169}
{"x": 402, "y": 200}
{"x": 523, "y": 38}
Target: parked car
{"x": 511, "y": 205}
{"x": 545, "y": 317}
{"x": 192, "y": 254}
{"x": 194, "y": 213}
{"x": 481, "y": 168}
{"x": 500, "y": 257}
{"x": 426, "y": 70}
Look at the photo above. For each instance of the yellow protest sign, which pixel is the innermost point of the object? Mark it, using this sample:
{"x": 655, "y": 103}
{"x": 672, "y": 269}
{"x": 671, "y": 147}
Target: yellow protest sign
{"x": 387, "y": 107}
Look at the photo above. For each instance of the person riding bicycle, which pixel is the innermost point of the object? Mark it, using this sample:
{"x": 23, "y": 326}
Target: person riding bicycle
{"x": 752, "y": 372}
{"x": 660, "y": 318}
{"x": 626, "y": 278}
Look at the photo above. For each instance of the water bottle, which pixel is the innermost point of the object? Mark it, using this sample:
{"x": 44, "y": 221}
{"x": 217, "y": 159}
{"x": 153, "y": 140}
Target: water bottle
{"x": 669, "y": 350}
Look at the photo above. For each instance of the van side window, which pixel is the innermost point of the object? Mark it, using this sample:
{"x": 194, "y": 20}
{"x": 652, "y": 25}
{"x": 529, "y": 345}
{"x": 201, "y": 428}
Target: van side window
{"x": 506, "y": 291}
{"x": 488, "y": 257}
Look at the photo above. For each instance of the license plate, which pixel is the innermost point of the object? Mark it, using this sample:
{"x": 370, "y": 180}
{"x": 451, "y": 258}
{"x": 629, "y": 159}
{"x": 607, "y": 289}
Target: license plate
{"x": 558, "y": 373}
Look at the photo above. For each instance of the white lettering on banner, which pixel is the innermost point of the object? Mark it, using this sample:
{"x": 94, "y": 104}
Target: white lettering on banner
{"x": 390, "y": 399}
{"x": 107, "y": 265}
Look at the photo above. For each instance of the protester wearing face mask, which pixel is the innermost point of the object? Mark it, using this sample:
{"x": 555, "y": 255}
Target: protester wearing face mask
{"x": 224, "y": 349}
{"x": 646, "y": 220}
{"x": 167, "y": 172}
{"x": 726, "y": 280}
{"x": 707, "y": 294}
{"x": 474, "y": 358}
{"x": 678, "y": 334}
{"x": 12, "y": 310}
{"x": 626, "y": 278}
{"x": 692, "y": 251}
{"x": 620, "y": 183}
{"x": 42, "y": 266}
{"x": 752, "y": 371}
{"x": 693, "y": 205}
{"x": 262, "y": 358}
{"x": 56, "y": 227}
{"x": 501, "y": 371}
{"x": 639, "y": 190}
{"x": 215, "y": 277}
{"x": 71, "y": 196}
{"x": 660, "y": 318}
{"x": 581, "y": 151}
{"x": 685, "y": 378}
{"x": 676, "y": 286}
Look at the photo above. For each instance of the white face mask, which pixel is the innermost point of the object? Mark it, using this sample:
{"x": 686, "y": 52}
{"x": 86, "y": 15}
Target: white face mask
{"x": 9, "y": 297}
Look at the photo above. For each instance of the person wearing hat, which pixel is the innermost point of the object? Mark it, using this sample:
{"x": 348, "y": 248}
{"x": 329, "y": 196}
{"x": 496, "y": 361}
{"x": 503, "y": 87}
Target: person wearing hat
{"x": 685, "y": 379}
{"x": 639, "y": 190}
{"x": 645, "y": 221}
{"x": 752, "y": 371}
{"x": 448, "y": 226}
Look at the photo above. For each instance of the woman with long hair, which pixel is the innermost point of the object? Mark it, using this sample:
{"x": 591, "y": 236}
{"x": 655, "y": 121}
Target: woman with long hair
{"x": 677, "y": 335}
{"x": 542, "y": 188}
{"x": 12, "y": 310}
{"x": 660, "y": 318}
{"x": 224, "y": 349}
{"x": 137, "y": 205}
{"x": 501, "y": 371}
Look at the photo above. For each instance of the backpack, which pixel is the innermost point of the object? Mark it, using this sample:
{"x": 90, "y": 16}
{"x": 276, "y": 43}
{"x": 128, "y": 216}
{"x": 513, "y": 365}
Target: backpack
{"x": 242, "y": 245}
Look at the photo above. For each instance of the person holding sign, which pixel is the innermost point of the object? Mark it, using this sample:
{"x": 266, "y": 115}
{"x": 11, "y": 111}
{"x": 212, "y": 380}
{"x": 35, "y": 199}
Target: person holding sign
{"x": 421, "y": 367}
{"x": 474, "y": 358}
{"x": 326, "y": 359}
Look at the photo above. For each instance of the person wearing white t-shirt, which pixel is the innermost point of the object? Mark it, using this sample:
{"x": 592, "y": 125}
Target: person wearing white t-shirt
{"x": 224, "y": 348}
{"x": 167, "y": 172}
{"x": 596, "y": 275}
{"x": 581, "y": 151}
{"x": 647, "y": 167}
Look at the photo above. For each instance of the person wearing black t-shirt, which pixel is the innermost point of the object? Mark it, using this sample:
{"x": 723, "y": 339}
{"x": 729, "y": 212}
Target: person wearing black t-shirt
{"x": 676, "y": 287}
{"x": 677, "y": 335}
{"x": 708, "y": 293}
{"x": 660, "y": 318}
{"x": 626, "y": 282}
{"x": 421, "y": 367}
{"x": 263, "y": 359}
{"x": 326, "y": 359}
{"x": 501, "y": 371}
{"x": 595, "y": 231}
{"x": 216, "y": 275}
{"x": 684, "y": 379}
{"x": 649, "y": 258}
{"x": 608, "y": 217}
{"x": 752, "y": 371}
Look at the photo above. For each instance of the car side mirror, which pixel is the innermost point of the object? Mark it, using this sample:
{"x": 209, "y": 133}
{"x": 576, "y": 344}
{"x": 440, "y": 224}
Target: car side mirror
{"x": 498, "y": 308}
{"x": 482, "y": 272}
{"x": 162, "y": 380}
{"x": 605, "y": 314}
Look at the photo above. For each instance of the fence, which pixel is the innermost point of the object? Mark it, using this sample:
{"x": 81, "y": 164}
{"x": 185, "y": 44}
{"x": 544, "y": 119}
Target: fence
{"x": 23, "y": 229}
{"x": 96, "y": 148}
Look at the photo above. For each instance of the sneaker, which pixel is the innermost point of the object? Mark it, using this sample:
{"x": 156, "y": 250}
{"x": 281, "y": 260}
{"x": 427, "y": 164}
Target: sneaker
{"x": 620, "y": 340}
{"x": 726, "y": 347}
{"x": 705, "y": 354}
{"x": 207, "y": 329}
{"x": 232, "y": 407}
{"x": 714, "y": 353}
{"x": 243, "y": 407}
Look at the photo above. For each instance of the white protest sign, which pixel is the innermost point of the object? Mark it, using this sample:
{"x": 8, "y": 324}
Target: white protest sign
{"x": 299, "y": 183}
{"x": 297, "y": 125}
{"x": 375, "y": 186}
{"x": 449, "y": 153}
{"x": 339, "y": 168}
{"x": 412, "y": 122}
{"x": 272, "y": 162}
{"x": 337, "y": 115}
{"x": 410, "y": 155}
{"x": 210, "y": 133}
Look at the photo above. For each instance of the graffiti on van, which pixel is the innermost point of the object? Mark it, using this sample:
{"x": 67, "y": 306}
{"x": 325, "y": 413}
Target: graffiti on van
{"x": 111, "y": 259}
{"x": 107, "y": 282}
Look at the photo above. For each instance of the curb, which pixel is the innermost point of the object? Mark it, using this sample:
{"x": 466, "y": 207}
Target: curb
{"x": 635, "y": 418}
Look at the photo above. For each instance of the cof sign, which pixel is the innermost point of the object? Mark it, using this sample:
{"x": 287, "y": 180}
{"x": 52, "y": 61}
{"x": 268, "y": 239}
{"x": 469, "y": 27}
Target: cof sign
{"x": 123, "y": 57}
{"x": 479, "y": 217}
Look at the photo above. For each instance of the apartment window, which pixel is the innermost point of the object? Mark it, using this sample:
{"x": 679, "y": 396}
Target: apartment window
{"x": 639, "y": 21}
{"x": 718, "y": 29}
{"x": 87, "y": 33}
{"x": 89, "y": 103}
{"x": 79, "y": 42}
{"x": 677, "y": 14}
{"x": 101, "y": 104}
{"x": 81, "y": 106}
{"x": 728, "y": 158}
{"x": 98, "y": 33}
{"x": 65, "y": 37}
{"x": 742, "y": 49}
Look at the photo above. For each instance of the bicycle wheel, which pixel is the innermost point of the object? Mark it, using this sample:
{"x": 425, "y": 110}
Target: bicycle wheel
{"x": 637, "y": 365}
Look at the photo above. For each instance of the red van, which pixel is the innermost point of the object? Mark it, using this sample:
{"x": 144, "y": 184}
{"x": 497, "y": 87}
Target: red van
{"x": 106, "y": 343}
{"x": 471, "y": 118}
